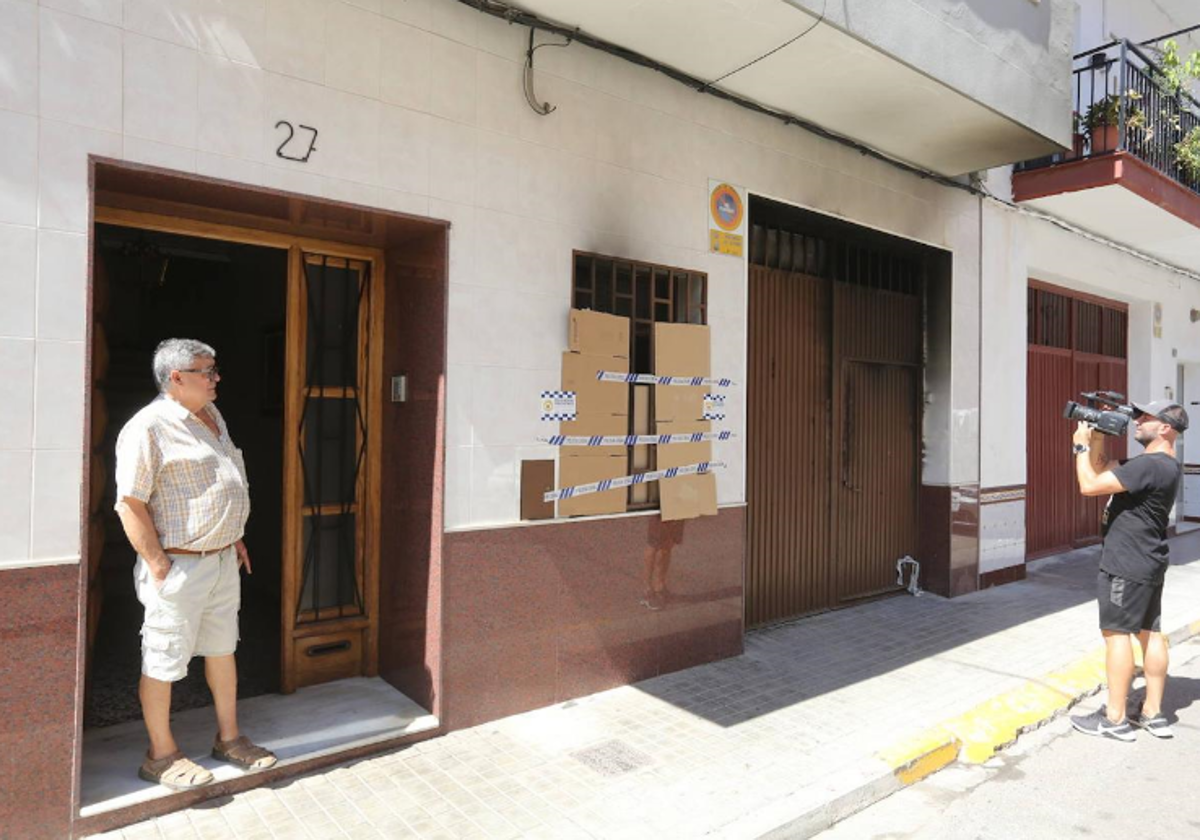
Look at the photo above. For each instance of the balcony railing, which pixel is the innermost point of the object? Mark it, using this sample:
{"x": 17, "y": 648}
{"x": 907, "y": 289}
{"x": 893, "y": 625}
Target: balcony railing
{"x": 1124, "y": 103}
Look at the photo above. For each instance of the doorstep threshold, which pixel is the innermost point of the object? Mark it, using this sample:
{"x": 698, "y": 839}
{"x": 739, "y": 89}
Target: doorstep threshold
{"x": 312, "y": 723}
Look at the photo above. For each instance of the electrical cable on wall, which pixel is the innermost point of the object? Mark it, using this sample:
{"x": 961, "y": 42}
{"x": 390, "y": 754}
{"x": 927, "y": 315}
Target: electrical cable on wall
{"x": 542, "y": 109}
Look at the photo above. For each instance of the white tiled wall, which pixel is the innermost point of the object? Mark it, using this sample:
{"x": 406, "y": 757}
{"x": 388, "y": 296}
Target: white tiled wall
{"x": 420, "y": 109}
{"x": 1001, "y": 535}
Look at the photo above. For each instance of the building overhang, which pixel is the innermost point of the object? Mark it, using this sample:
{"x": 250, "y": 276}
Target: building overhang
{"x": 1122, "y": 198}
{"x": 831, "y": 76}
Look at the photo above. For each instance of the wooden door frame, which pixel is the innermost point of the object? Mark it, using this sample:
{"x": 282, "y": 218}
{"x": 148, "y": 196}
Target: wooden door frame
{"x": 296, "y": 245}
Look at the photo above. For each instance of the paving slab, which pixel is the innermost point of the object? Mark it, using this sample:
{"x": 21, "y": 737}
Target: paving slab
{"x": 817, "y": 719}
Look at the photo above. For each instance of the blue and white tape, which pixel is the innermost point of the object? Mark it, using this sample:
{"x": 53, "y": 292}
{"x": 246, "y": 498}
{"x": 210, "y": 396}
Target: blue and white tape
{"x": 629, "y": 480}
{"x": 634, "y": 440}
{"x": 558, "y": 405}
{"x": 651, "y": 379}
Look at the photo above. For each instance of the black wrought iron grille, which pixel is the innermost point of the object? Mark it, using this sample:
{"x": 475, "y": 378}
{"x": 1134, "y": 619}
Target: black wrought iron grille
{"x": 1123, "y": 104}
{"x": 333, "y": 437}
{"x": 832, "y": 258}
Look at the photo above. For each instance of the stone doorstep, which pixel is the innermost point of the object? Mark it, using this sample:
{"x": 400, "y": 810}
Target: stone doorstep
{"x": 973, "y": 738}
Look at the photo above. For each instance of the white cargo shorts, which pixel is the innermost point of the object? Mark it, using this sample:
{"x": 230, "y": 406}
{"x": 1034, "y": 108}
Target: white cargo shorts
{"x": 193, "y": 613}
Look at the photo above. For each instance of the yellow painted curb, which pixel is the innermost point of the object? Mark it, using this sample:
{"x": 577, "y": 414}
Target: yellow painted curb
{"x": 975, "y": 735}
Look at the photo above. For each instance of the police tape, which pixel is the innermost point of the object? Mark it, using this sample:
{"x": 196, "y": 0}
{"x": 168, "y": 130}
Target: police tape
{"x": 634, "y": 440}
{"x": 651, "y": 379}
{"x": 629, "y": 480}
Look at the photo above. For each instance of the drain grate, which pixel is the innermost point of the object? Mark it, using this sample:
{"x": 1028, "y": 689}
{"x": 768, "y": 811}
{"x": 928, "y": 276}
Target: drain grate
{"x": 612, "y": 758}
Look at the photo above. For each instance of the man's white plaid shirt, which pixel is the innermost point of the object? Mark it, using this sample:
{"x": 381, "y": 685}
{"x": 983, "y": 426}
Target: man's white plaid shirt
{"x": 193, "y": 482}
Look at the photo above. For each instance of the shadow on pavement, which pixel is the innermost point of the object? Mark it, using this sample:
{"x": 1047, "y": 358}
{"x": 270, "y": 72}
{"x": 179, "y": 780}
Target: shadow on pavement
{"x": 810, "y": 657}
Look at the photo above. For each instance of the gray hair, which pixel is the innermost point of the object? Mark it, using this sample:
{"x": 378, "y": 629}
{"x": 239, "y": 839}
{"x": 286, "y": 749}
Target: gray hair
{"x": 177, "y": 354}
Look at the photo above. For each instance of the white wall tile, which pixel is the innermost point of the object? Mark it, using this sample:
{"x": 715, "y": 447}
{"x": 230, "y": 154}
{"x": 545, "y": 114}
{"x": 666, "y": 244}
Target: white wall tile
{"x": 452, "y": 80}
{"x": 16, "y": 479}
{"x": 518, "y": 330}
{"x": 16, "y": 409}
{"x": 153, "y": 153}
{"x": 494, "y": 494}
{"x": 459, "y": 431}
{"x": 499, "y": 97}
{"x": 455, "y": 21}
{"x": 452, "y": 161}
{"x": 369, "y": 5}
{"x": 412, "y": 12}
{"x": 56, "y": 488}
{"x": 403, "y": 202}
{"x": 105, "y": 11}
{"x": 18, "y": 168}
{"x": 404, "y": 65}
{"x": 294, "y": 38}
{"x": 63, "y": 172}
{"x": 58, "y": 395}
{"x": 160, "y": 91}
{"x": 237, "y": 32}
{"x": 19, "y": 57}
{"x": 176, "y": 21}
{"x": 230, "y": 108}
{"x": 504, "y": 404}
{"x": 352, "y": 44}
{"x": 79, "y": 79}
{"x": 229, "y": 168}
{"x": 458, "y": 486}
{"x": 404, "y": 149}
{"x": 62, "y": 285}
{"x": 18, "y": 281}
{"x": 460, "y": 324}
{"x": 349, "y": 148}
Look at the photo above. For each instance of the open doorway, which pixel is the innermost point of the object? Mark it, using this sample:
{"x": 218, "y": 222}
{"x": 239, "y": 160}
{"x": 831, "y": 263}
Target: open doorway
{"x": 340, "y": 642}
{"x": 233, "y": 297}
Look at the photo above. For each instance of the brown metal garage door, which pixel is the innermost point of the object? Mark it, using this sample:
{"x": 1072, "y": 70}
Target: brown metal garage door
{"x": 1076, "y": 343}
{"x": 833, "y": 442}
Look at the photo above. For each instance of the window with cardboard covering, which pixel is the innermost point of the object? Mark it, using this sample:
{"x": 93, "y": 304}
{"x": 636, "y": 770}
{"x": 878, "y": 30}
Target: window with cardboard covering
{"x": 646, "y": 293}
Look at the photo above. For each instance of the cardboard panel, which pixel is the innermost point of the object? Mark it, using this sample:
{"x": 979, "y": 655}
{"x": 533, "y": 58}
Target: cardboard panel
{"x": 598, "y": 333}
{"x": 688, "y": 496}
{"x": 594, "y": 398}
{"x": 679, "y": 403}
{"x": 573, "y": 471}
{"x": 681, "y": 350}
{"x": 537, "y": 478}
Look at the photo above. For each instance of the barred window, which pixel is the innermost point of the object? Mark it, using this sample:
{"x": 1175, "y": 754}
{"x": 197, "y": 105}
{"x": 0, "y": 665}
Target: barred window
{"x": 645, "y": 293}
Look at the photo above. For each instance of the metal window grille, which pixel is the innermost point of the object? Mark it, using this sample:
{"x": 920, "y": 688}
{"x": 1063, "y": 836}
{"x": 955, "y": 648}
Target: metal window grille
{"x": 835, "y": 259}
{"x": 1069, "y": 323}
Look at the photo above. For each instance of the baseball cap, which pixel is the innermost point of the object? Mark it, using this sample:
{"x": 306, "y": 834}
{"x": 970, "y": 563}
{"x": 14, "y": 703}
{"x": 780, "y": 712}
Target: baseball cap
{"x": 1169, "y": 411}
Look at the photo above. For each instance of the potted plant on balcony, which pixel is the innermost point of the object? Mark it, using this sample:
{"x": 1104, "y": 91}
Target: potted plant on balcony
{"x": 1102, "y": 120}
{"x": 1078, "y": 138}
{"x": 1187, "y": 154}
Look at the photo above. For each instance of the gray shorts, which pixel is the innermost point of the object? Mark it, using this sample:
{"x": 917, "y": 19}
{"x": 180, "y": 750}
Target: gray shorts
{"x": 193, "y": 613}
{"x": 1128, "y": 606}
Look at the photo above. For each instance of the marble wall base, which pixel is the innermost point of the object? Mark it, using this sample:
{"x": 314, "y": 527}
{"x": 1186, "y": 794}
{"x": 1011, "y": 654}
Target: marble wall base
{"x": 39, "y": 627}
{"x": 537, "y": 615}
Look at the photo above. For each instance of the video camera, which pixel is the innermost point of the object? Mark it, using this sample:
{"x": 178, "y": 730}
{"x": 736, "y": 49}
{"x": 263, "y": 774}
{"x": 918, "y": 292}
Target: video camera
{"x": 1113, "y": 419}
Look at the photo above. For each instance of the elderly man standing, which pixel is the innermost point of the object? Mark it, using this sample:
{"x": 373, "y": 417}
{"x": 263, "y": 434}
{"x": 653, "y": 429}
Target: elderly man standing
{"x": 183, "y": 499}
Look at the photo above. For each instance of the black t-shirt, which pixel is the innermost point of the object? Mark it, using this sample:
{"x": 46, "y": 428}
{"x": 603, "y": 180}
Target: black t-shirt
{"x": 1135, "y": 522}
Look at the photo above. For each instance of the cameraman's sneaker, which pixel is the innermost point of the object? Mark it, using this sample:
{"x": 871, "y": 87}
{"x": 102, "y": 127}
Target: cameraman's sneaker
{"x": 1158, "y": 726}
{"x": 1097, "y": 723}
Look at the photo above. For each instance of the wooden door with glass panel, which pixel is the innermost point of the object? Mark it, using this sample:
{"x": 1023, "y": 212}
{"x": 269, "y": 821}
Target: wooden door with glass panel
{"x": 331, "y": 476}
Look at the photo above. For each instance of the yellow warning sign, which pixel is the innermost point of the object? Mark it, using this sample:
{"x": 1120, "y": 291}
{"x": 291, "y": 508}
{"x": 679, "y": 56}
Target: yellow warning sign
{"x": 726, "y": 219}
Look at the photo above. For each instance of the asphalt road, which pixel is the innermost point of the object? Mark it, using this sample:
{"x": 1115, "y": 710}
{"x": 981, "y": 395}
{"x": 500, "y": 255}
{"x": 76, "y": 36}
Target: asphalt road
{"x": 1057, "y": 783}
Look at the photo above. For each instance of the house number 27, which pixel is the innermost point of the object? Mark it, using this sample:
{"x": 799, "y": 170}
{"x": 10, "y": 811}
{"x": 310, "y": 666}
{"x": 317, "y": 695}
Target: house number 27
{"x": 291, "y": 154}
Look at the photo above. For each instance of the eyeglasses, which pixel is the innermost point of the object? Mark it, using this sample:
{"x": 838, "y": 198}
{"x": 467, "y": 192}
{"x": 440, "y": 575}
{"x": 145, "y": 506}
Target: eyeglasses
{"x": 211, "y": 372}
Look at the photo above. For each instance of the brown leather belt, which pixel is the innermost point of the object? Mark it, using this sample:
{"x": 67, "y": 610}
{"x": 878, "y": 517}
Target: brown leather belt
{"x": 189, "y": 552}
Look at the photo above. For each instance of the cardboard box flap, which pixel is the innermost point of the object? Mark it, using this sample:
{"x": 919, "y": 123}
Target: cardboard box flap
{"x": 598, "y": 333}
{"x": 682, "y": 350}
{"x": 592, "y": 397}
{"x": 679, "y": 404}
{"x": 689, "y": 496}
{"x": 537, "y": 479}
{"x": 575, "y": 471}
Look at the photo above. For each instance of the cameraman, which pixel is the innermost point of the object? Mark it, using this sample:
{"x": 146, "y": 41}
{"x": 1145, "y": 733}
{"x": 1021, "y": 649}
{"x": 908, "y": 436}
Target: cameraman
{"x": 1133, "y": 561}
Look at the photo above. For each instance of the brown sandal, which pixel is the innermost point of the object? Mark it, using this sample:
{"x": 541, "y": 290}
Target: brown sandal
{"x": 175, "y": 771}
{"x": 243, "y": 753}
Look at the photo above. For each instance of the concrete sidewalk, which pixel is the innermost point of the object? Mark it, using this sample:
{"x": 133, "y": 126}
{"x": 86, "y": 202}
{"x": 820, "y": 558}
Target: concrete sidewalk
{"x": 815, "y": 720}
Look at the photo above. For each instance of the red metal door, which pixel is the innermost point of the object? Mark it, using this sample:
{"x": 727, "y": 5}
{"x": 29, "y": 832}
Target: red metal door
{"x": 1076, "y": 343}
